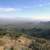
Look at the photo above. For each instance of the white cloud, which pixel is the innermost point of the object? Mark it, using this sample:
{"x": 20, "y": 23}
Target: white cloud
{"x": 44, "y": 18}
{"x": 7, "y": 12}
{"x": 7, "y": 9}
{"x": 10, "y": 9}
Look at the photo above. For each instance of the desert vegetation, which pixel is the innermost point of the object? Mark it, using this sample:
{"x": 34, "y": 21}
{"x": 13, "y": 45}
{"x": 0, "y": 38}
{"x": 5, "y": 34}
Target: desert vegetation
{"x": 36, "y": 38}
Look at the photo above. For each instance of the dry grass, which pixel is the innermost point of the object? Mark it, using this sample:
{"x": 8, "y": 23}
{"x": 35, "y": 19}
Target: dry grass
{"x": 23, "y": 42}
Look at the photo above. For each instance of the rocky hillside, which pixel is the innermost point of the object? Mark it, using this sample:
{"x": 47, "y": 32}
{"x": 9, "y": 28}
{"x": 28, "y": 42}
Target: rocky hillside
{"x": 24, "y": 42}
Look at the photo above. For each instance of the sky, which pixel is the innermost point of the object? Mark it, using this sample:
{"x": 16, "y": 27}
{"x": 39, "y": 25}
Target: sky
{"x": 7, "y": 9}
{"x": 34, "y": 9}
{"x": 25, "y": 9}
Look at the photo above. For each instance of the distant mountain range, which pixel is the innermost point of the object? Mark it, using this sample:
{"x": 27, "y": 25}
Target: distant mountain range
{"x": 25, "y": 24}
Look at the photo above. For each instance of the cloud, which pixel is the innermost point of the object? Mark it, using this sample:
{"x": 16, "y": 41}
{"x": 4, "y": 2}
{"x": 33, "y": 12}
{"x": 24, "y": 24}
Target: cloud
{"x": 23, "y": 8}
{"x": 10, "y": 9}
{"x": 7, "y": 9}
{"x": 7, "y": 12}
{"x": 44, "y": 18}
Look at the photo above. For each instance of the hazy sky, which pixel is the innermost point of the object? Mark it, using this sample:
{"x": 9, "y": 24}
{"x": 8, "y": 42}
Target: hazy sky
{"x": 34, "y": 9}
{"x": 25, "y": 9}
{"x": 8, "y": 9}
